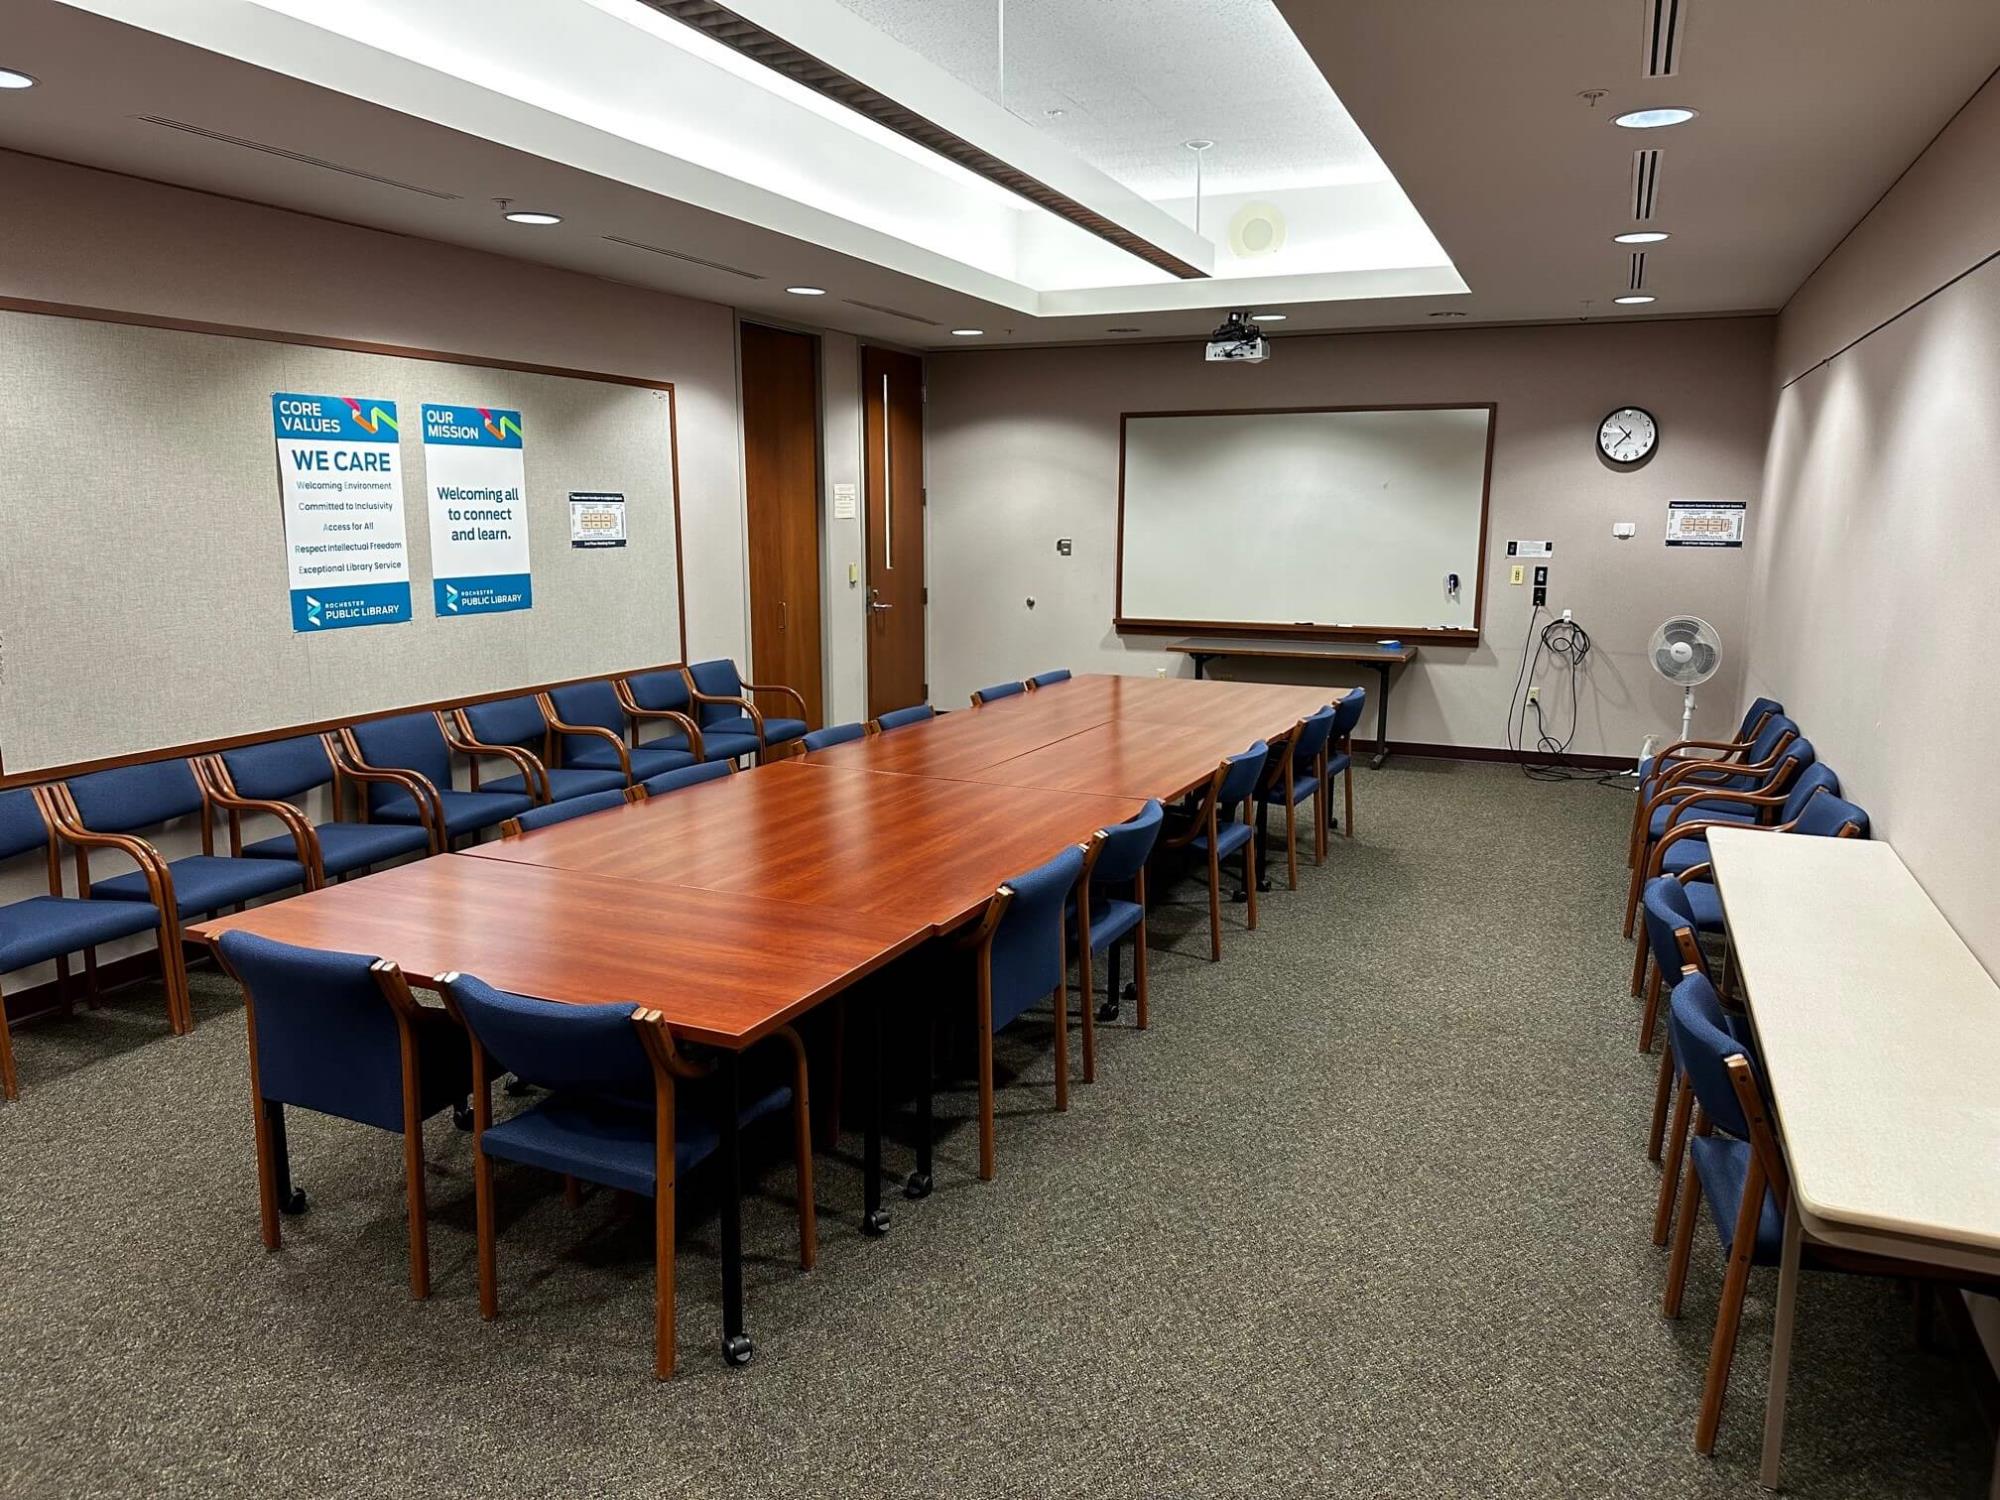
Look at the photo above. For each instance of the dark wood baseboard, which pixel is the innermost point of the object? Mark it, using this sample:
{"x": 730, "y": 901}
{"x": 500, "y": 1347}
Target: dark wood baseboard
{"x": 1490, "y": 752}
{"x": 40, "y": 1001}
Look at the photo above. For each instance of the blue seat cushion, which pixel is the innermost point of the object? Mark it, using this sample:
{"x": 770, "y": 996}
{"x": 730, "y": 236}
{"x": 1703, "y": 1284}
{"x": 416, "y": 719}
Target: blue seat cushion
{"x": 49, "y": 926}
{"x": 1229, "y": 838}
{"x": 594, "y": 754}
{"x": 1337, "y": 763}
{"x": 720, "y": 746}
{"x": 1700, "y": 812}
{"x": 1683, "y": 855}
{"x": 1706, "y": 903}
{"x": 1723, "y": 1165}
{"x": 208, "y": 882}
{"x": 564, "y": 783}
{"x": 609, "y": 1141}
{"x": 1110, "y": 919}
{"x": 1303, "y": 786}
{"x": 464, "y": 812}
{"x": 776, "y": 730}
{"x": 348, "y": 846}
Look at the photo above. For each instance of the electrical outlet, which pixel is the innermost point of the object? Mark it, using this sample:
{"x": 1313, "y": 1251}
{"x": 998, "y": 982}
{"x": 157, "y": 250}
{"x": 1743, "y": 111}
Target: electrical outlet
{"x": 1541, "y": 595}
{"x": 1534, "y": 693}
{"x": 1541, "y": 574}
{"x": 1518, "y": 573}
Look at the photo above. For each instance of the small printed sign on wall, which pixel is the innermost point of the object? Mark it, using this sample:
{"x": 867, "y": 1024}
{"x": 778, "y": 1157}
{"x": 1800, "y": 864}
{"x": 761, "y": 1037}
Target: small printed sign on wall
{"x": 845, "y": 506}
{"x": 1706, "y": 523}
{"x": 596, "y": 518}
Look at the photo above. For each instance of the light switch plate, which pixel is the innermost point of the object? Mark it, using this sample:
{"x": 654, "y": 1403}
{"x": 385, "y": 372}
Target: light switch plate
{"x": 1624, "y": 530}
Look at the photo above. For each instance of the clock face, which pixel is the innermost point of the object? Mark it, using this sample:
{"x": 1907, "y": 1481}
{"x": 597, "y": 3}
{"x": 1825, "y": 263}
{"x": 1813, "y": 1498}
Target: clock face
{"x": 1628, "y": 435}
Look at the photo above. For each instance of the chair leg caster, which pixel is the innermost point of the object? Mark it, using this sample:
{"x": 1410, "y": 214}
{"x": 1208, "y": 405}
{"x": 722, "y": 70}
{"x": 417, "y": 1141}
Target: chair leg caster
{"x": 918, "y": 1186}
{"x": 1238, "y": 898}
{"x": 875, "y": 1224}
{"x": 461, "y": 1115}
{"x": 294, "y": 1203}
{"x": 1108, "y": 1011}
{"x": 737, "y": 1349}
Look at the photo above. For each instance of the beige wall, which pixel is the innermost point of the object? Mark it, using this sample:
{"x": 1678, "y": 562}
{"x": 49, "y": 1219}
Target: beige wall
{"x": 1023, "y": 449}
{"x": 1871, "y": 614}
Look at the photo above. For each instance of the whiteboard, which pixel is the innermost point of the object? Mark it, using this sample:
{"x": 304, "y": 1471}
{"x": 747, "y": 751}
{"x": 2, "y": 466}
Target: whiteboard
{"x": 1321, "y": 520}
{"x": 143, "y": 579}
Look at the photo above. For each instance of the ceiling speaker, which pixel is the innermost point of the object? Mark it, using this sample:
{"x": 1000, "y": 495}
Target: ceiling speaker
{"x": 1258, "y": 229}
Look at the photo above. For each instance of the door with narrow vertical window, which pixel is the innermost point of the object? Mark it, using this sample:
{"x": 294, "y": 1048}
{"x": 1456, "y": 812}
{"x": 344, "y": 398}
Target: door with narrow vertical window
{"x": 893, "y": 414}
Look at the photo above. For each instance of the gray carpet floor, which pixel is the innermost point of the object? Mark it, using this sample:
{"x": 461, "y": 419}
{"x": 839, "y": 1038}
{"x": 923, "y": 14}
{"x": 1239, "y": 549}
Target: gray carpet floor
{"x": 1363, "y": 1214}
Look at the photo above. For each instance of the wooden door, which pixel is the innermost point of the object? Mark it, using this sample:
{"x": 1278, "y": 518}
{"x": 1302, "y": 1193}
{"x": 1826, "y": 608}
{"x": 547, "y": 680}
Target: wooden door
{"x": 893, "y": 415}
{"x": 781, "y": 483}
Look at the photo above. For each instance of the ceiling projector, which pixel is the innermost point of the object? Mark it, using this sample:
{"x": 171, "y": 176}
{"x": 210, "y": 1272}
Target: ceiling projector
{"x": 1238, "y": 340}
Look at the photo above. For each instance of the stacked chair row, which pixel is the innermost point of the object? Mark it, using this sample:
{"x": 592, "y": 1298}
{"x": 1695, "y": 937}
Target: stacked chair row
{"x": 572, "y": 741}
{"x": 1710, "y": 1127}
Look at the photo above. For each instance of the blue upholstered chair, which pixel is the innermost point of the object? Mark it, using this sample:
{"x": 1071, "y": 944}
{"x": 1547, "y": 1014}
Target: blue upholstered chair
{"x": 1684, "y": 751}
{"x": 673, "y": 781}
{"x": 998, "y": 690}
{"x": 516, "y": 729}
{"x": 1114, "y": 878}
{"x": 267, "y": 777}
{"x": 575, "y": 807}
{"x": 340, "y": 1034}
{"x": 1340, "y": 753}
{"x": 1296, "y": 772}
{"x": 1048, "y": 679}
{"x": 35, "y": 929}
{"x": 1820, "y": 814}
{"x": 1686, "y": 854}
{"x": 596, "y": 733}
{"x": 897, "y": 718}
{"x": 623, "y": 1110}
{"x": 1020, "y": 958}
{"x": 724, "y": 706}
{"x": 1673, "y": 937}
{"x": 663, "y": 698}
{"x": 834, "y": 734}
{"x": 418, "y": 745}
{"x": 1742, "y": 767}
{"x": 1218, "y": 829}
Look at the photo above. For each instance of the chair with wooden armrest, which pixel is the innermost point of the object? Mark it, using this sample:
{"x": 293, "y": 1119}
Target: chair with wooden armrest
{"x": 516, "y": 730}
{"x": 1340, "y": 753}
{"x": 1677, "y": 913}
{"x": 673, "y": 781}
{"x": 1301, "y": 775}
{"x": 550, "y": 813}
{"x": 1681, "y": 800}
{"x": 1047, "y": 679}
{"x": 898, "y": 718}
{"x": 663, "y": 698}
{"x": 997, "y": 691}
{"x": 596, "y": 733}
{"x": 1752, "y": 725}
{"x": 724, "y": 705}
{"x": 1735, "y": 765}
{"x": 35, "y": 929}
{"x": 1217, "y": 830}
{"x": 340, "y": 1034}
{"x": 834, "y": 734}
{"x": 420, "y": 745}
{"x": 624, "y": 1110}
{"x": 1110, "y": 905}
{"x": 267, "y": 778}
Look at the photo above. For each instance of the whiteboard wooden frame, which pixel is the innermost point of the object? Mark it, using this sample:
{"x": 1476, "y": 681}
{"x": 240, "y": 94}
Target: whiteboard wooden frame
{"x": 1470, "y": 636}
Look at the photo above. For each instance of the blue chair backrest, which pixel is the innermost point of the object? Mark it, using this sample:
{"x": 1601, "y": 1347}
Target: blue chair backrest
{"x": 1825, "y": 815}
{"x": 590, "y": 703}
{"x": 1240, "y": 780}
{"x": 1127, "y": 846}
{"x": 574, "y": 807}
{"x": 1030, "y": 946}
{"x": 278, "y": 769}
{"x": 1797, "y": 757}
{"x": 896, "y": 718}
{"x": 1315, "y": 732}
{"x": 21, "y": 825}
{"x": 1668, "y": 912}
{"x": 1816, "y": 777}
{"x": 660, "y": 690}
{"x": 1702, "y": 1045}
{"x": 326, "y": 1036}
{"x": 1766, "y": 744}
{"x": 132, "y": 797}
{"x": 1347, "y": 713}
{"x": 719, "y": 679}
{"x": 834, "y": 734}
{"x": 1756, "y": 711}
{"x": 1046, "y": 679}
{"x": 1001, "y": 690}
{"x": 508, "y": 721}
{"x": 673, "y": 781}
{"x": 564, "y": 1048}
{"x": 407, "y": 742}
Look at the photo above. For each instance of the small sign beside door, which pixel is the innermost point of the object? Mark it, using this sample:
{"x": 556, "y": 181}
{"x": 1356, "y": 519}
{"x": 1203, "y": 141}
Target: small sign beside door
{"x": 596, "y": 519}
{"x": 846, "y": 507}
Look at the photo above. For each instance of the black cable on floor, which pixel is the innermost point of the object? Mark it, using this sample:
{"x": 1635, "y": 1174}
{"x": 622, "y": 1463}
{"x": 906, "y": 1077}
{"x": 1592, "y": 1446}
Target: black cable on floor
{"x": 1563, "y": 641}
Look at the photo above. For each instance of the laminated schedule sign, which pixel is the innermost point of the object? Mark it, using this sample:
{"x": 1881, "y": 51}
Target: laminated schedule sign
{"x": 340, "y": 479}
{"x": 479, "y": 510}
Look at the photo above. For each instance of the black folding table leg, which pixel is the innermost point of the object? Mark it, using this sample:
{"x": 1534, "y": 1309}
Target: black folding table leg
{"x": 291, "y": 1200}
{"x": 919, "y": 1183}
{"x": 736, "y": 1347}
{"x": 874, "y": 1218}
{"x": 1381, "y": 717}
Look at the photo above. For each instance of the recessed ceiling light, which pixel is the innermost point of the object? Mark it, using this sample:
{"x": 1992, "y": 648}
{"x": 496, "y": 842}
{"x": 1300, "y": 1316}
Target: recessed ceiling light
{"x": 1653, "y": 119}
{"x": 9, "y": 79}
{"x": 1267, "y": 317}
{"x": 1121, "y": 330}
{"x": 1641, "y": 237}
{"x": 967, "y": 333}
{"x": 1052, "y": 114}
{"x": 807, "y": 291}
{"x": 531, "y": 216}
{"x": 1447, "y": 314}
{"x": 1631, "y": 301}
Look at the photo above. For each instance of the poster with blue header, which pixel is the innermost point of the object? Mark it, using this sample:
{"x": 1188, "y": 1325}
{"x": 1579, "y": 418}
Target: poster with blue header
{"x": 473, "y": 464}
{"x": 340, "y": 480}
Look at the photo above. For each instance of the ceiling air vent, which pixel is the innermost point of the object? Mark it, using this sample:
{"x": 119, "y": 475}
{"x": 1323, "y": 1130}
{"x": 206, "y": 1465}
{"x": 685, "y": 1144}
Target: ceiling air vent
{"x": 1666, "y": 24}
{"x": 693, "y": 260}
{"x": 1645, "y": 184}
{"x": 894, "y": 312}
{"x": 1638, "y": 271}
{"x": 297, "y": 156}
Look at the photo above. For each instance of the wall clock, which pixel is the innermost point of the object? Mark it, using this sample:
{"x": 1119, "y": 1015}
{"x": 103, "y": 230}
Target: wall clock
{"x": 1628, "y": 436}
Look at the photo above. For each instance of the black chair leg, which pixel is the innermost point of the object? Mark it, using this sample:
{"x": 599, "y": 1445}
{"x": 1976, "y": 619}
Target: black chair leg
{"x": 736, "y": 1346}
{"x": 1108, "y": 1011}
{"x": 918, "y": 1184}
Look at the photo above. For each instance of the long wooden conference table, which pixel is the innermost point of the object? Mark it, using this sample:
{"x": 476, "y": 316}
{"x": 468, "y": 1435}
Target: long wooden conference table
{"x": 734, "y": 906}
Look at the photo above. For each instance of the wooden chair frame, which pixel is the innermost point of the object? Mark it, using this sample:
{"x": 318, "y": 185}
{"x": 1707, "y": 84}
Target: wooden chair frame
{"x": 1280, "y": 772}
{"x": 220, "y": 790}
{"x": 510, "y": 828}
{"x": 430, "y": 809}
{"x": 1086, "y": 982}
{"x": 1208, "y": 819}
{"x": 534, "y": 770}
{"x": 979, "y": 940}
{"x": 750, "y": 709}
{"x": 1688, "y": 778}
{"x": 1676, "y": 788}
{"x": 636, "y": 716}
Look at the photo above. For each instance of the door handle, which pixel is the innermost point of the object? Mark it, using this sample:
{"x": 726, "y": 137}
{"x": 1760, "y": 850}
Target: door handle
{"x": 781, "y": 614}
{"x": 875, "y": 600}
{"x": 873, "y": 605}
